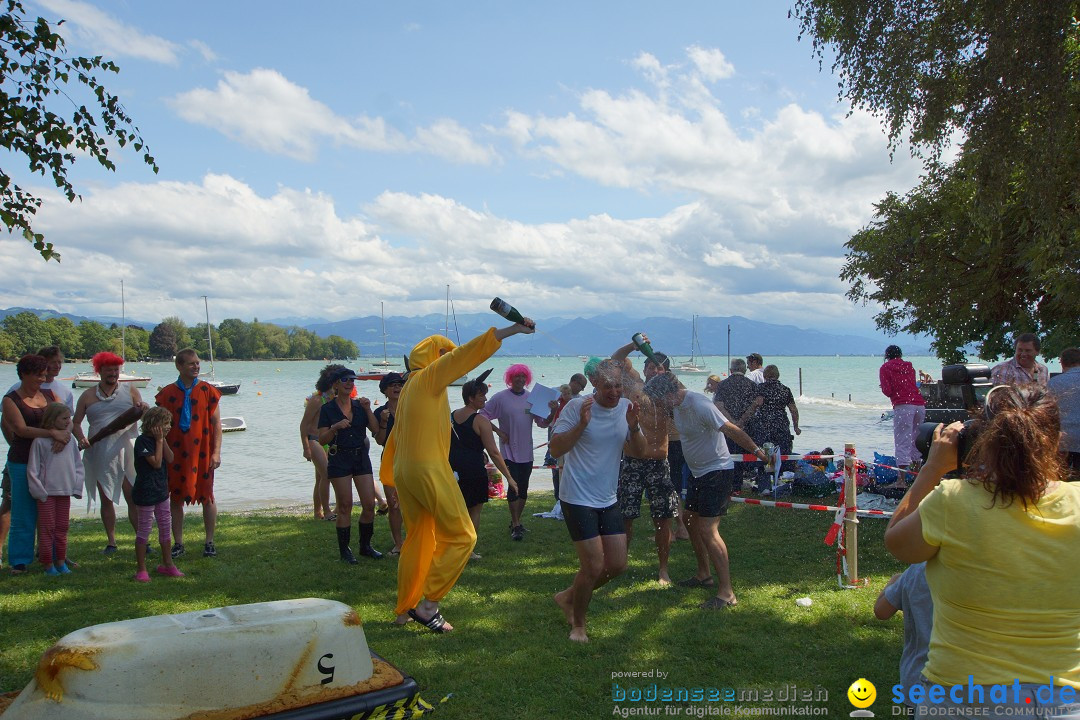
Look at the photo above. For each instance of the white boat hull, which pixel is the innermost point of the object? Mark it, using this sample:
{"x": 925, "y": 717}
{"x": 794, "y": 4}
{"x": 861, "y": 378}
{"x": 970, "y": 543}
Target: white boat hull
{"x": 88, "y": 380}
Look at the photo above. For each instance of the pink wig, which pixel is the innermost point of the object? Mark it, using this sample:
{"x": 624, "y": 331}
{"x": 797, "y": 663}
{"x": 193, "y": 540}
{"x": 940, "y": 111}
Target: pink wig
{"x": 105, "y": 359}
{"x": 518, "y": 369}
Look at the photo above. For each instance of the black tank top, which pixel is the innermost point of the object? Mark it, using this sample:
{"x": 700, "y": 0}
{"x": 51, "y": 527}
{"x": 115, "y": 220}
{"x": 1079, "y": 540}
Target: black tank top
{"x": 466, "y": 449}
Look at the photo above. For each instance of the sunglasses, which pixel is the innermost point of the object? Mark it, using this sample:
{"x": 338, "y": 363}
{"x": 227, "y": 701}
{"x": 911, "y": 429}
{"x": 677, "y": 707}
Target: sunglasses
{"x": 347, "y": 381}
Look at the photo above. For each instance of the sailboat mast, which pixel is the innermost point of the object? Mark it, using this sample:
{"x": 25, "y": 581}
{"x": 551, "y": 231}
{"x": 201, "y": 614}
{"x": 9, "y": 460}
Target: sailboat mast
{"x": 209, "y": 337}
{"x": 123, "y": 324}
{"x": 382, "y": 317}
{"x": 446, "y": 324}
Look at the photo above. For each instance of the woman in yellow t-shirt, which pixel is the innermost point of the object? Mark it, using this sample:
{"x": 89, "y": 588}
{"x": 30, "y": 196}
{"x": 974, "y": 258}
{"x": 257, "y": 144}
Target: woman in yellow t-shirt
{"x": 1001, "y": 560}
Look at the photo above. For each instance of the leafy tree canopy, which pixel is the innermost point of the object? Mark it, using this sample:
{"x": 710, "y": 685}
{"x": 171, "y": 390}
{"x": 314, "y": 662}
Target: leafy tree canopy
{"x": 53, "y": 107}
{"x": 989, "y": 242}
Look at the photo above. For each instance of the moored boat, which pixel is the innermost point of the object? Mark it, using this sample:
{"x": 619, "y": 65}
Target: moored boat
{"x": 90, "y": 379}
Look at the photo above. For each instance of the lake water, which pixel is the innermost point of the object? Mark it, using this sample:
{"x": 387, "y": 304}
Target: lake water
{"x": 263, "y": 466}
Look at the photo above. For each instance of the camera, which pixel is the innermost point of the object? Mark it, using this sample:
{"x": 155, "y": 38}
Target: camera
{"x": 960, "y": 394}
{"x": 924, "y": 438}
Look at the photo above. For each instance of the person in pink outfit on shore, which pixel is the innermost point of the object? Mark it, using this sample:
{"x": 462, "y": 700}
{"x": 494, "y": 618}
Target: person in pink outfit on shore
{"x": 897, "y": 378}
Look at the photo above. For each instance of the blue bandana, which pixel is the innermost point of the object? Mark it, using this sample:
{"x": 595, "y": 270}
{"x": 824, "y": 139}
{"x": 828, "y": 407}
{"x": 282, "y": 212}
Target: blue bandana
{"x": 185, "y": 409}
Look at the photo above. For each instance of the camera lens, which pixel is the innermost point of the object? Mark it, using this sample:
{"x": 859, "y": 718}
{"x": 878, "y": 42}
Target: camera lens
{"x": 924, "y": 438}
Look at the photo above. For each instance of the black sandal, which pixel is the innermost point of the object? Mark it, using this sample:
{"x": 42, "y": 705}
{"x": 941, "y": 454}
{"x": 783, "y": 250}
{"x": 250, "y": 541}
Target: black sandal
{"x": 436, "y": 623}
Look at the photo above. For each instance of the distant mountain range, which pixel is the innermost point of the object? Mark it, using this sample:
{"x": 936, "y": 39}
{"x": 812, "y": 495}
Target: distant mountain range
{"x": 597, "y": 335}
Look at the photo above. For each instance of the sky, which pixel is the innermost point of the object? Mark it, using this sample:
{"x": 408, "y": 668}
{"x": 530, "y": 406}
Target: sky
{"x": 660, "y": 159}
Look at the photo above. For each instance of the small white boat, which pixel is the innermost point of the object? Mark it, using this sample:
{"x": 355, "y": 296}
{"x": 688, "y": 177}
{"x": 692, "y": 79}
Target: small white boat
{"x": 304, "y": 658}
{"x": 690, "y": 367}
{"x": 90, "y": 379}
{"x": 233, "y": 424}
{"x": 225, "y": 388}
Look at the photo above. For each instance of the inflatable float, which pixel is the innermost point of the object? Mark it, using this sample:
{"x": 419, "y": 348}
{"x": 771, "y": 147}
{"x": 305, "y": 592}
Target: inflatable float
{"x": 304, "y": 659}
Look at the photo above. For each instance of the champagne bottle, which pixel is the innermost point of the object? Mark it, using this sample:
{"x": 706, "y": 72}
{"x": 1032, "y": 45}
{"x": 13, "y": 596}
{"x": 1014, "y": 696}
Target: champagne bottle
{"x": 507, "y": 310}
{"x": 645, "y": 348}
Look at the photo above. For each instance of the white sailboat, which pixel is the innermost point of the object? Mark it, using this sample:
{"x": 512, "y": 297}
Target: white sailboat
{"x": 457, "y": 338}
{"x": 691, "y": 367}
{"x": 384, "y": 364}
{"x": 223, "y": 387}
{"x": 90, "y": 379}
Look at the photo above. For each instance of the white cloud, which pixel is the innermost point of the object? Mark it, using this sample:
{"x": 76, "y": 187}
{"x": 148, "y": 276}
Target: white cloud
{"x": 710, "y": 63}
{"x": 109, "y": 36}
{"x": 266, "y": 110}
{"x": 294, "y": 253}
{"x": 796, "y": 178}
{"x": 204, "y": 50}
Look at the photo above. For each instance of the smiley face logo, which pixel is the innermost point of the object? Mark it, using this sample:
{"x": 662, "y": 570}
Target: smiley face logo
{"x": 862, "y": 693}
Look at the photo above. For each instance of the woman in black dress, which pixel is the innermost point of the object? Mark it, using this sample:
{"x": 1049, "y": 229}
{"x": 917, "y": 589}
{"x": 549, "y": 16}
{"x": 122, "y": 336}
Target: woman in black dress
{"x": 470, "y": 436}
{"x": 770, "y": 424}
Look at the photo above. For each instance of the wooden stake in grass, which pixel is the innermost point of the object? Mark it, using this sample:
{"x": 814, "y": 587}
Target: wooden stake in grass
{"x": 851, "y": 531}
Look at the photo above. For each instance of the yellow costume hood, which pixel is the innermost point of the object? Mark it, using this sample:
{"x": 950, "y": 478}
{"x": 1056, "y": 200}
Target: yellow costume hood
{"x": 429, "y": 350}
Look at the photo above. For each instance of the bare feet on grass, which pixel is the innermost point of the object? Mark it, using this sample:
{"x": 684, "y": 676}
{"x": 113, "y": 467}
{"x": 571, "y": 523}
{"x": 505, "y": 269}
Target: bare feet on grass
{"x": 664, "y": 578}
{"x": 577, "y": 634}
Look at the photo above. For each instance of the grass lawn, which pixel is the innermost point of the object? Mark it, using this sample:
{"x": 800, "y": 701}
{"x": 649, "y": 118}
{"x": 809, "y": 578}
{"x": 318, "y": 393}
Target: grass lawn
{"x": 509, "y": 656}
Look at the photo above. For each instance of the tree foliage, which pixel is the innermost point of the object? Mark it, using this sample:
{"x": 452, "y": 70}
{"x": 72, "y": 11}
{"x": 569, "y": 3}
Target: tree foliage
{"x": 989, "y": 242}
{"x": 233, "y": 339}
{"x": 53, "y": 108}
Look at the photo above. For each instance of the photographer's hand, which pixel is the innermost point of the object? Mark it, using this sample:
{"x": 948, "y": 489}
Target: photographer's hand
{"x": 943, "y": 451}
{"x": 903, "y": 536}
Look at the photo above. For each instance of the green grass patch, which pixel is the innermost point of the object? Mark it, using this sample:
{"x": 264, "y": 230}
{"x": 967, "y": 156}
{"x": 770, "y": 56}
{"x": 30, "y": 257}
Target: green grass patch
{"x": 509, "y": 656}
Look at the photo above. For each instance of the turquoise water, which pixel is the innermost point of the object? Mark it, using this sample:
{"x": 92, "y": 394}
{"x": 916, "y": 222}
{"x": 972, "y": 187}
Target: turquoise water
{"x": 264, "y": 465}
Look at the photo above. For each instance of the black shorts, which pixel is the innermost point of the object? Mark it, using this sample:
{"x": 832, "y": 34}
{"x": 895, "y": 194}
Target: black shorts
{"x": 520, "y": 473}
{"x": 709, "y": 495}
{"x": 5, "y": 485}
{"x": 585, "y": 523}
{"x": 474, "y": 489}
{"x": 347, "y": 462}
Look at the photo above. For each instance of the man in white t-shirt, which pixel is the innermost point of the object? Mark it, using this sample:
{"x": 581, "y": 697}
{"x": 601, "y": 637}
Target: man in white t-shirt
{"x": 591, "y": 432}
{"x": 702, "y": 428}
{"x": 754, "y": 361}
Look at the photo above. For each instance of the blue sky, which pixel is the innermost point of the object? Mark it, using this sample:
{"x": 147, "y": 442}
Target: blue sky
{"x": 574, "y": 158}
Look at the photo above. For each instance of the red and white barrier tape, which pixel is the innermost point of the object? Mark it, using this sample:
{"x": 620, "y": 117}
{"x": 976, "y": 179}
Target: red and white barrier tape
{"x": 801, "y": 506}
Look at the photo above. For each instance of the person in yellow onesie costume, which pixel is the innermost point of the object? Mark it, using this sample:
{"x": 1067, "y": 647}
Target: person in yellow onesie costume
{"x": 440, "y": 535}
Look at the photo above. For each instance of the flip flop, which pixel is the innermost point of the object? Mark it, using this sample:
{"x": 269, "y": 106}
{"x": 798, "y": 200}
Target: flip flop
{"x": 393, "y": 551}
{"x": 435, "y": 623}
{"x": 716, "y": 603}
{"x": 693, "y": 582}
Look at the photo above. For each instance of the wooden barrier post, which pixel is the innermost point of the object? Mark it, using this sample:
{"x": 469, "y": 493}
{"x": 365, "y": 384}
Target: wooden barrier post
{"x": 851, "y": 520}
{"x": 800, "y": 382}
